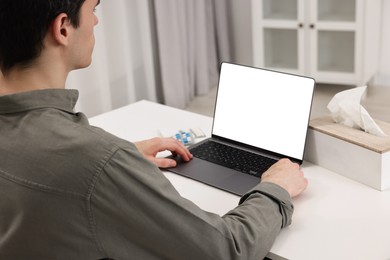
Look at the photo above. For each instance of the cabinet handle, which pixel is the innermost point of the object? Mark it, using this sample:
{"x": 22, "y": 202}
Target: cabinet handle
{"x": 312, "y": 26}
{"x": 300, "y": 25}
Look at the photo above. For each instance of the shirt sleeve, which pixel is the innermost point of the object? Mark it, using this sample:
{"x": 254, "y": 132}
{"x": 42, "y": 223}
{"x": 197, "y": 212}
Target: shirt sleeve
{"x": 138, "y": 214}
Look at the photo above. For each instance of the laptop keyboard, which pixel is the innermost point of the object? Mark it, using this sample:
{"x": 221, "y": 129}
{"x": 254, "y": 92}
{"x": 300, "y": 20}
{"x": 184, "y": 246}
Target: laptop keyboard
{"x": 234, "y": 158}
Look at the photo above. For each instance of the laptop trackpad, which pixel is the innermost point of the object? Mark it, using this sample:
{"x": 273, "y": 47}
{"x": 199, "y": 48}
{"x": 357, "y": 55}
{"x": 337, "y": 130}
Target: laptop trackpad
{"x": 216, "y": 175}
{"x": 203, "y": 171}
{"x": 240, "y": 183}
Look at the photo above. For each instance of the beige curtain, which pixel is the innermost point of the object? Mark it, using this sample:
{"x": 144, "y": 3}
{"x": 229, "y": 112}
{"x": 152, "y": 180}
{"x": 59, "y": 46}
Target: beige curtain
{"x": 192, "y": 39}
{"x": 165, "y": 51}
{"x": 122, "y": 70}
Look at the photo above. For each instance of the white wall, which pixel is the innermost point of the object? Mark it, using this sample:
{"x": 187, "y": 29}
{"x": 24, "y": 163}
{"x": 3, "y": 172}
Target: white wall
{"x": 383, "y": 76}
{"x": 242, "y": 31}
{"x": 242, "y": 38}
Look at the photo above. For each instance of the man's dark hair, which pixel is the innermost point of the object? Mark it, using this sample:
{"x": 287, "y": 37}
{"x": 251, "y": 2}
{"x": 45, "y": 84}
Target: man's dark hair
{"x": 24, "y": 24}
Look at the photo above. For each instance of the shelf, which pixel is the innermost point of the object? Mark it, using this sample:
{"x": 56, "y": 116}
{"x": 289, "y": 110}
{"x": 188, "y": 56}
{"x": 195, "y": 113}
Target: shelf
{"x": 336, "y": 51}
{"x": 281, "y": 48}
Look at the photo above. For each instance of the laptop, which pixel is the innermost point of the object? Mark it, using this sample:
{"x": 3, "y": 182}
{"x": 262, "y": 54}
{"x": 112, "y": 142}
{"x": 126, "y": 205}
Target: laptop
{"x": 258, "y": 113}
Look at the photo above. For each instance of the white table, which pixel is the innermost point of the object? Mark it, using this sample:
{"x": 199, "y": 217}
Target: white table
{"x": 335, "y": 218}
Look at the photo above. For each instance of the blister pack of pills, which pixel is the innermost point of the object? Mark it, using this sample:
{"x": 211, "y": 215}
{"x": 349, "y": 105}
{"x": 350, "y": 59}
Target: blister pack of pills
{"x": 187, "y": 137}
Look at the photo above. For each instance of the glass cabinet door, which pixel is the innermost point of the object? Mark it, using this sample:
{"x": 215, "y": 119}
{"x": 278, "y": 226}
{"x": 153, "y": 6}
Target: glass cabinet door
{"x": 280, "y": 44}
{"x": 334, "y": 38}
{"x": 280, "y": 10}
{"x": 336, "y": 10}
{"x": 280, "y": 48}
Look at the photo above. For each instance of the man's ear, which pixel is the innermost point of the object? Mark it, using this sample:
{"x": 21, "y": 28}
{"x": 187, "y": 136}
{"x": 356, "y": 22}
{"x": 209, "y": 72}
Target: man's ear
{"x": 61, "y": 29}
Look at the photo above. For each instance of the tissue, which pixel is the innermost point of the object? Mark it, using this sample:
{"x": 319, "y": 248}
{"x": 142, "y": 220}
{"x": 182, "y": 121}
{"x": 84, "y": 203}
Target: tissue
{"x": 345, "y": 109}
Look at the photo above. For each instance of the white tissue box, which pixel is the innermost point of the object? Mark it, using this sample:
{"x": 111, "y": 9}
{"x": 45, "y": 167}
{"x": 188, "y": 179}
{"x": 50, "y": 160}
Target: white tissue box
{"x": 350, "y": 152}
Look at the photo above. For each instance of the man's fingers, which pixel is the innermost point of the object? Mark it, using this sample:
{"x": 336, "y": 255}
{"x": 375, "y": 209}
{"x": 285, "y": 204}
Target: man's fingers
{"x": 179, "y": 148}
{"x": 164, "y": 162}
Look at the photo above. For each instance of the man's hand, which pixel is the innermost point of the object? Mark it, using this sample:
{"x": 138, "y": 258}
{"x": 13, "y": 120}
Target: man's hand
{"x": 150, "y": 148}
{"x": 287, "y": 175}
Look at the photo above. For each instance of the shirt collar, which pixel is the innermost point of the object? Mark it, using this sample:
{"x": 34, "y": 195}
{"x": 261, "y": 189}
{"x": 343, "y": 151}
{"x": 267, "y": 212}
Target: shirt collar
{"x": 63, "y": 99}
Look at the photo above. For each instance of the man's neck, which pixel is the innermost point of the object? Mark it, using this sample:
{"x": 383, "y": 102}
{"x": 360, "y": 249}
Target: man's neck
{"x": 33, "y": 78}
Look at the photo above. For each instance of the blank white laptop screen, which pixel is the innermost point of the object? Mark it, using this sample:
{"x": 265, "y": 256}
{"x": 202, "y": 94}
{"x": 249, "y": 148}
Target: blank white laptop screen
{"x": 262, "y": 108}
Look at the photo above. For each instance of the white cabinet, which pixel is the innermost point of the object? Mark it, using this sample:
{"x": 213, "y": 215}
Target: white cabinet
{"x": 333, "y": 41}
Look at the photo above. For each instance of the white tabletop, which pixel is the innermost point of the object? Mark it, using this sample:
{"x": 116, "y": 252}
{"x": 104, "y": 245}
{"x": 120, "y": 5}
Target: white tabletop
{"x": 335, "y": 218}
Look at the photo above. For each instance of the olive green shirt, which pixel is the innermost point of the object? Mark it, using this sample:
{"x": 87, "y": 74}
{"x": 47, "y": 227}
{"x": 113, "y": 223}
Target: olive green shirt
{"x": 69, "y": 190}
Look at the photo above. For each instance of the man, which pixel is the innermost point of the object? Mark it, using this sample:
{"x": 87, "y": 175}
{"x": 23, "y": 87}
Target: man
{"x": 69, "y": 190}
